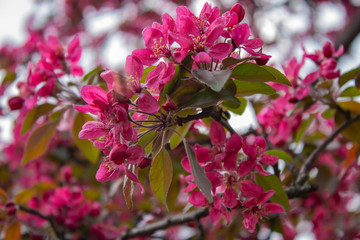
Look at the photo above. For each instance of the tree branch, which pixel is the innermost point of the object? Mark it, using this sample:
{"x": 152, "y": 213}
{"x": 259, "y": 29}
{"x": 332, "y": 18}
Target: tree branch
{"x": 196, "y": 215}
{"x": 165, "y": 223}
{"x": 303, "y": 174}
{"x": 59, "y": 234}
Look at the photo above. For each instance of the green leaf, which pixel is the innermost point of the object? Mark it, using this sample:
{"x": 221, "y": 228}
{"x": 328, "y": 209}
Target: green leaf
{"x": 24, "y": 196}
{"x": 230, "y": 61}
{"x": 352, "y": 74}
{"x": 239, "y": 109}
{"x": 351, "y": 106}
{"x": 3, "y": 195}
{"x": 273, "y": 183}
{"x": 353, "y": 131}
{"x": 39, "y": 141}
{"x": 161, "y": 173}
{"x": 207, "y": 97}
{"x": 198, "y": 173}
{"x": 328, "y": 113}
{"x": 350, "y": 92}
{"x": 281, "y": 154}
{"x": 13, "y": 231}
{"x": 185, "y": 90}
{"x": 214, "y": 79}
{"x": 147, "y": 139}
{"x": 252, "y": 72}
{"x": 280, "y": 78}
{"x": 146, "y": 72}
{"x": 92, "y": 74}
{"x": 251, "y": 88}
{"x": 86, "y": 147}
{"x": 34, "y": 114}
{"x": 176, "y": 139}
{"x": 303, "y": 126}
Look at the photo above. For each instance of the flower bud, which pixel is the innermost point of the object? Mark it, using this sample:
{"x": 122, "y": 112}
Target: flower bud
{"x": 169, "y": 106}
{"x": 145, "y": 162}
{"x": 15, "y": 103}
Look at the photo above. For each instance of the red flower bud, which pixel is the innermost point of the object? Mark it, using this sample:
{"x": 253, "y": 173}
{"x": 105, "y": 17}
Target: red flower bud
{"x": 145, "y": 162}
{"x": 15, "y": 103}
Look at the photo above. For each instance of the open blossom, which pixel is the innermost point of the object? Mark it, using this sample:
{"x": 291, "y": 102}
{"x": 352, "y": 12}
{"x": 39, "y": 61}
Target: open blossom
{"x": 53, "y": 53}
{"x": 113, "y": 121}
{"x": 256, "y": 204}
{"x": 255, "y": 152}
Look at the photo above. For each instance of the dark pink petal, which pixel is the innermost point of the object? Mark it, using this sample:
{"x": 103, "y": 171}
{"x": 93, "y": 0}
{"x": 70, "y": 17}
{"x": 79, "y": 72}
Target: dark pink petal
{"x": 230, "y": 198}
{"x": 261, "y": 171}
{"x": 179, "y": 54}
{"x": 230, "y": 162}
{"x": 310, "y": 78}
{"x": 186, "y": 164}
{"x": 128, "y": 132}
{"x": 201, "y": 57}
{"x": 76, "y": 70}
{"x": 239, "y": 10}
{"x": 92, "y": 129}
{"x": 215, "y": 216}
{"x": 148, "y": 103}
{"x": 241, "y": 34}
{"x": 250, "y": 221}
{"x": 184, "y": 11}
{"x": 86, "y": 108}
{"x": 121, "y": 113}
{"x": 214, "y": 31}
{"x": 234, "y": 144}
{"x": 250, "y": 150}
{"x": 118, "y": 154}
{"x": 269, "y": 159}
{"x": 339, "y": 52}
{"x": 265, "y": 197}
{"x": 136, "y": 154}
{"x": 260, "y": 144}
{"x": 302, "y": 92}
{"x": 220, "y": 51}
{"x": 134, "y": 178}
{"x": 216, "y": 180}
{"x": 74, "y": 50}
{"x": 134, "y": 67}
{"x": 328, "y": 50}
{"x": 109, "y": 77}
{"x": 198, "y": 199}
{"x": 217, "y": 134}
{"x": 250, "y": 189}
{"x": 269, "y": 208}
{"x": 151, "y": 37}
{"x": 203, "y": 154}
{"x": 146, "y": 56}
{"x": 250, "y": 202}
{"x": 90, "y": 93}
{"x": 254, "y": 43}
{"x": 104, "y": 173}
{"x": 186, "y": 27}
{"x": 245, "y": 168}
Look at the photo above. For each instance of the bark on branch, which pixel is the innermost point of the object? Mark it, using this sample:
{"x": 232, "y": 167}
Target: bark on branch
{"x": 165, "y": 223}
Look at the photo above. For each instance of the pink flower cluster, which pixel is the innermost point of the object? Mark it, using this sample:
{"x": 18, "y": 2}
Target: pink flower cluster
{"x": 280, "y": 119}
{"x": 229, "y": 175}
{"x": 132, "y": 102}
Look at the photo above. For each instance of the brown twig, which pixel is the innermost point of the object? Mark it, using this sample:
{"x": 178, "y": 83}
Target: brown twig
{"x": 59, "y": 234}
{"x": 303, "y": 174}
{"x": 165, "y": 223}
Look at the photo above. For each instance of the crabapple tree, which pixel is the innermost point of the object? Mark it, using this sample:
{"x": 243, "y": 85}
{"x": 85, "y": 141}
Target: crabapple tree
{"x": 147, "y": 151}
